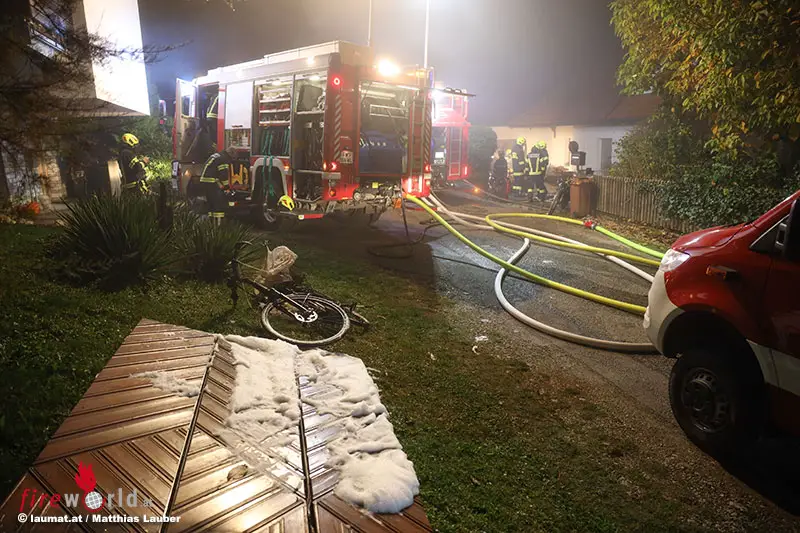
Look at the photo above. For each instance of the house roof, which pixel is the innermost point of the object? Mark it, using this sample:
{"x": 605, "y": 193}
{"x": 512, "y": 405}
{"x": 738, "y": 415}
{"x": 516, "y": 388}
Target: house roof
{"x": 634, "y": 108}
{"x": 564, "y": 111}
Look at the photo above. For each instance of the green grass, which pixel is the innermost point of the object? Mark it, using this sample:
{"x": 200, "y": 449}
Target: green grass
{"x": 491, "y": 452}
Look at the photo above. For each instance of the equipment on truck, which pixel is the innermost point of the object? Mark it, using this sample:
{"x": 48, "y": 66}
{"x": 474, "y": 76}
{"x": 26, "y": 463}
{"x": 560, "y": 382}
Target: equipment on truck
{"x": 450, "y": 135}
{"x": 320, "y": 129}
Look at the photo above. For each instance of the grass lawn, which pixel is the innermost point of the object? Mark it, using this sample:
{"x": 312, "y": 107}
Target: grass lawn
{"x": 492, "y": 453}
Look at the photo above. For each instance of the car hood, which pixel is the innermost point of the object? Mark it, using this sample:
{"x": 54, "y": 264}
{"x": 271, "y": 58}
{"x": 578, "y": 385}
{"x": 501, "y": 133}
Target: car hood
{"x": 707, "y": 238}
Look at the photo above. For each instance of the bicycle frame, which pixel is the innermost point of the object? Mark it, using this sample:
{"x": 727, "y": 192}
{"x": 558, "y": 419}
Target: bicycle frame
{"x": 270, "y": 293}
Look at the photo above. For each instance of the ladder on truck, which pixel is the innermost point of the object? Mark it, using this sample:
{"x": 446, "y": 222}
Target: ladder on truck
{"x": 421, "y": 128}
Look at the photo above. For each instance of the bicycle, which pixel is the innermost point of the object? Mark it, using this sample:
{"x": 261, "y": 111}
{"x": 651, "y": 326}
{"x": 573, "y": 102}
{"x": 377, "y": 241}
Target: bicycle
{"x": 561, "y": 197}
{"x": 293, "y": 314}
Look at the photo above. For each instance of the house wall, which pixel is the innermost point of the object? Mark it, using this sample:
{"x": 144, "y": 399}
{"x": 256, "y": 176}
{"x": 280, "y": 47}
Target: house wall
{"x": 39, "y": 179}
{"x": 589, "y": 139}
{"x": 120, "y": 80}
{"x": 558, "y": 138}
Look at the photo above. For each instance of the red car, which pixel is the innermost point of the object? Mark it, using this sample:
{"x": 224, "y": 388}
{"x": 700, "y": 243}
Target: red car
{"x": 726, "y": 303}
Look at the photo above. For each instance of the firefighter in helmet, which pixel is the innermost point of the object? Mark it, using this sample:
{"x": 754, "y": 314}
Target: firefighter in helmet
{"x": 519, "y": 166}
{"x": 538, "y": 160}
{"x": 216, "y": 179}
{"x": 132, "y": 165}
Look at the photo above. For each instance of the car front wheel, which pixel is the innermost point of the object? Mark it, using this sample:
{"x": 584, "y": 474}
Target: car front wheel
{"x": 717, "y": 400}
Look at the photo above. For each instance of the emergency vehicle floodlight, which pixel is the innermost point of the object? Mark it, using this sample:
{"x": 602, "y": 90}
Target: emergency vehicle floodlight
{"x": 388, "y": 68}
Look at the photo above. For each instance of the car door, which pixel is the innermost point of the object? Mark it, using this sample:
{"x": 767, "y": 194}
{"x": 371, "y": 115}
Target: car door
{"x": 782, "y": 319}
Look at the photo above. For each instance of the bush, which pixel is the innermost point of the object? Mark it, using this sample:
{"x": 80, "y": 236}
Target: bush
{"x": 118, "y": 241}
{"x": 696, "y": 184}
{"x": 482, "y": 146}
{"x": 115, "y": 241}
{"x": 205, "y": 248}
{"x": 657, "y": 149}
{"x": 727, "y": 191}
{"x": 159, "y": 169}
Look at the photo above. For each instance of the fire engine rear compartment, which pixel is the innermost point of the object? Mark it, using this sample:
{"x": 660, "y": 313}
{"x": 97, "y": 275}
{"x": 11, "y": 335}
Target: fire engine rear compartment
{"x": 331, "y": 137}
{"x": 291, "y": 124}
{"x": 383, "y": 142}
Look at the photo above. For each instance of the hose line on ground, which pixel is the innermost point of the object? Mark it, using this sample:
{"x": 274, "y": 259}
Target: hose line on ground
{"x": 627, "y": 242}
{"x": 629, "y": 347}
{"x": 461, "y": 216}
{"x": 625, "y": 306}
{"x": 585, "y": 248}
{"x": 605, "y": 231}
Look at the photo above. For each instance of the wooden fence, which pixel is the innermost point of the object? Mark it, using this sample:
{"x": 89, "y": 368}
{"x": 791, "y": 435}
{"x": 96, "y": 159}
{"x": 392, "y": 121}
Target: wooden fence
{"x": 626, "y": 198}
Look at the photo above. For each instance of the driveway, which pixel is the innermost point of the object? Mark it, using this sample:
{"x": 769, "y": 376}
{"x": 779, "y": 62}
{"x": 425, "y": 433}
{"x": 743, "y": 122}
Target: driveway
{"x": 632, "y": 385}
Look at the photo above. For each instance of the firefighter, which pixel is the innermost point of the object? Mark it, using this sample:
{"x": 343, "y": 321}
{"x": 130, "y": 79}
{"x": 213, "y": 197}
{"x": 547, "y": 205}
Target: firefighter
{"x": 519, "y": 166}
{"x": 216, "y": 178}
{"x": 132, "y": 165}
{"x": 498, "y": 182}
{"x": 538, "y": 160}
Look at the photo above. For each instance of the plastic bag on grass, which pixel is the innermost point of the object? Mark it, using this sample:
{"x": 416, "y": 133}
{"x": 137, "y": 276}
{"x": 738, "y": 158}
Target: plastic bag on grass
{"x": 275, "y": 268}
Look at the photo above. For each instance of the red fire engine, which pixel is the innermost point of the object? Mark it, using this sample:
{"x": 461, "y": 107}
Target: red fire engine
{"x": 323, "y": 125}
{"x": 450, "y": 136}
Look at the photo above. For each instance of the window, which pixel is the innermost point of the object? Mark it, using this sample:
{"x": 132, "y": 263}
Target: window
{"x": 48, "y": 26}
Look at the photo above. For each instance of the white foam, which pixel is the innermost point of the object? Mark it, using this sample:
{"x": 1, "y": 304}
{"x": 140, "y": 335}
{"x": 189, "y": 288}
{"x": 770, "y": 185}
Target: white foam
{"x": 265, "y": 400}
{"x": 381, "y": 483}
{"x": 166, "y": 381}
{"x": 265, "y": 410}
{"x": 374, "y": 471}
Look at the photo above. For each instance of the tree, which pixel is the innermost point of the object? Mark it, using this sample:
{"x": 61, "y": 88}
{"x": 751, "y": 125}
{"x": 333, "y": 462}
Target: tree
{"x": 482, "y": 146}
{"x": 734, "y": 63}
{"x": 45, "y": 74}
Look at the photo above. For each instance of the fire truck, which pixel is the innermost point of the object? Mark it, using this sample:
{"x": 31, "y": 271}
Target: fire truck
{"x": 450, "y": 136}
{"x": 323, "y": 125}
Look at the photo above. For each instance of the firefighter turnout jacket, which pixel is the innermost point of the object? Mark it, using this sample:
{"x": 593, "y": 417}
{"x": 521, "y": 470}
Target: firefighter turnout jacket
{"x": 500, "y": 168}
{"x": 218, "y": 169}
{"x": 519, "y": 165}
{"x": 539, "y": 160}
{"x": 216, "y": 177}
{"x": 133, "y": 170}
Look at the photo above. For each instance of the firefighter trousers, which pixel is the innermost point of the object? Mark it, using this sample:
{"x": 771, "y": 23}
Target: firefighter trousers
{"x": 535, "y": 186}
{"x": 215, "y": 197}
{"x": 518, "y": 184}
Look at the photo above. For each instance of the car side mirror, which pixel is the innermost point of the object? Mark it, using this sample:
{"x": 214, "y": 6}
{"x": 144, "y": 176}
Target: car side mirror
{"x": 787, "y": 242}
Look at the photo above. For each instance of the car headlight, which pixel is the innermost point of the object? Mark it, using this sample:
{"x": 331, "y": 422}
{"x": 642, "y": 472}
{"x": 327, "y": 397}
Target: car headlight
{"x": 672, "y": 260}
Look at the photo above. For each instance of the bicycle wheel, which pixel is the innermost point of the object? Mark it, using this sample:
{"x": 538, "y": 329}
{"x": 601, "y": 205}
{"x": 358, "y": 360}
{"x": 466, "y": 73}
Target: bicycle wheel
{"x": 556, "y": 201}
{"x": 287, "y": 322}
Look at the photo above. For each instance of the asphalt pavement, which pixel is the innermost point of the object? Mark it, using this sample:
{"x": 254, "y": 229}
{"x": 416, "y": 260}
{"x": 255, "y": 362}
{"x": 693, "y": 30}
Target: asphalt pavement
{"x": 463, "y": 275}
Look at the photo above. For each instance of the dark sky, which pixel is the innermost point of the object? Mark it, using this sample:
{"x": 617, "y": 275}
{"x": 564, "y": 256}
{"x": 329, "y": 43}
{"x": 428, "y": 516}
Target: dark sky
{"x": 512, "y": 53}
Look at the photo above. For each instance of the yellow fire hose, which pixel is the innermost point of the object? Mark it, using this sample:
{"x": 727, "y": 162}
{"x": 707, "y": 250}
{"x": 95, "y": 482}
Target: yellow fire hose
{"x": 625, "y": 306}
{"x": 526, "y": 235}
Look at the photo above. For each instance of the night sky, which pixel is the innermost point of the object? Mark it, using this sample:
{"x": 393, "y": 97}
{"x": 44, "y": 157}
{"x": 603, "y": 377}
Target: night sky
{"x": 512, "y": 53}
